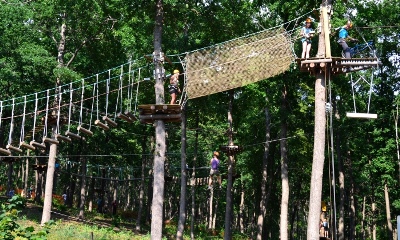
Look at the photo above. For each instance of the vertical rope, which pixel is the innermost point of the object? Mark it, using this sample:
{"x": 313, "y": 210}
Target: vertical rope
{"x": 11, "y": 123}
{"x": 107, "y": 91}
{"x": 22, "y": 136}
{"x": 70, "y": 105}
{"x": 34, "y": 117}
{"x": 352, "y": 90}
{"x": 91, "y": 112}
{"x": 82, "y": 94}
{"x": 59, "y": 110}
{"x": 1, "y": 112}
{"x": 332, "y": 158}
{"x": 137, "y": 91}
{"x": 129, "y": 87}
{"x": 97, "y": 95}
{"x": 118, "y": 93}
{"x": 47, "y": 112}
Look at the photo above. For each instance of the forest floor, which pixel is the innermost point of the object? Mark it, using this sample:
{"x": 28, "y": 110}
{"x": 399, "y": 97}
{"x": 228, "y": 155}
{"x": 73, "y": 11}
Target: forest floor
{"x": 71, "y": 227}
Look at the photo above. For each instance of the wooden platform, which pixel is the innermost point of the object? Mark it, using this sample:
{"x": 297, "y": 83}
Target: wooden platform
{"x": 149, "y": 113}
{"x": 337, "y": 65}
{"x": 38, "y": 167}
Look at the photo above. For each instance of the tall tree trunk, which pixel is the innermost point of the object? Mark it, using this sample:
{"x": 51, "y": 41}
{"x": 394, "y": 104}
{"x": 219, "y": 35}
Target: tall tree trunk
{"x": 241, "y": 210}
{"x": 141, "y": 188}
{"x": 9, "y": 177}
{"x": 182, "y": 207}
{"x": 284, "y": 171}
{"x": 193, "y": 180}
{"x": 342, "y": 191}
{"x": 159, "y": 155}
{"x": 388, "y": 213}
{"x": 373, "y": 218}
{"x": 263, "y": 207}
{"x": 211, "y": 207}
{"x": 363, "y": 218}
{"x": 26, "y": 180}
{"x": 352, "y": 213}
{"x": 83, "y": 189}
{"x": 48, "y": 195}
{"x": 231, "y": 163}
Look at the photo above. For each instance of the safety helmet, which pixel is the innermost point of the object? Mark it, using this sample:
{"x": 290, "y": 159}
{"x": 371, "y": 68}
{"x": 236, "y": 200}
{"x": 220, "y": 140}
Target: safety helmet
{"x": 216, "y": 153}
{"x": 308, "y": 20}
{"x": 176, "y": 71}
{"x": 350, "y": 24}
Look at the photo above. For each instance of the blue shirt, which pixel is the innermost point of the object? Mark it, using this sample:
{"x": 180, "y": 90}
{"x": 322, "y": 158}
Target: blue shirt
{"x": 343, "y": 33}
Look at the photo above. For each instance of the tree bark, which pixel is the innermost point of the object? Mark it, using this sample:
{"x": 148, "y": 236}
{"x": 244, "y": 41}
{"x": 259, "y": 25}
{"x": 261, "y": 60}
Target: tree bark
{"x": 159, "y": 155}
{"x": 182, "y": 207}
{"x": 263, "y": 207}
{"x": 48, "y": 195}
{"x": 284, "y": 172}
{"x": 388, "y": 213}
{"x": 342, "y": 190}
{"x": 194, "y": 179}
{"x": 313, "y": 220}
{"x": 83, "y": 189}
{"x": 231, "y": 162}
{"x": 141, "y": 188}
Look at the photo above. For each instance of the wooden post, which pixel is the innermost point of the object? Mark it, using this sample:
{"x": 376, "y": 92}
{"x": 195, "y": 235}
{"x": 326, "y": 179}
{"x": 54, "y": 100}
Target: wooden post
{"x": 231, "y": 163}
{"x": 159, "y": 154}
{"x": 313, "y": 220}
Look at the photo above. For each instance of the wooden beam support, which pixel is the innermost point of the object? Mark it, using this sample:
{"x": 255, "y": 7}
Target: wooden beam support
{"x": 130, "y": 115}
{"x": 27, "y": 146}
{"x": 362, "y": 115}
{"x": 160, "y": 116}
{"x": 102, "y": 125}
{"x": 63, "y": 138}
{"x": 12, "y": 148}
{"x": 5, "y": 151}
{"x": 38, "y": 145}
{"x": 85, "y": 131}
{"x": 74, "y": 136}
{"x": 109, "y": 121}
{"x": 51, "y": 140}
{"x": 124, "y": 117}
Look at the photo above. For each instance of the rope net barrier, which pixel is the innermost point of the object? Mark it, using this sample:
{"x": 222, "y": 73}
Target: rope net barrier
{"x": 238, "y": 62}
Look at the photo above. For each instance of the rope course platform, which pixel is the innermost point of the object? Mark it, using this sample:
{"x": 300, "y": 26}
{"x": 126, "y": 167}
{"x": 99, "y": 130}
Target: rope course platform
{"x": 231, "y": 149}
{"x": 337, "y": 65}
{"x": 39, "y": 167}
{"x": 148, "y": 113}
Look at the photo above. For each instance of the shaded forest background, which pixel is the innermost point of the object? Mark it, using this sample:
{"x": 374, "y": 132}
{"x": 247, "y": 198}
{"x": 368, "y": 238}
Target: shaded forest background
{"x": 100, "y": 35}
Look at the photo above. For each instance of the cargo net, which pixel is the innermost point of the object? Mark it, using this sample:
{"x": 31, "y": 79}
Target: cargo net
{"x": 238, "y": 62}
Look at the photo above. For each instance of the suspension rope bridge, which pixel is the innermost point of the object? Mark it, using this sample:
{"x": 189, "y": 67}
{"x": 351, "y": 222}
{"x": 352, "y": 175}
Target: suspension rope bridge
{"x": 217, "y": 68}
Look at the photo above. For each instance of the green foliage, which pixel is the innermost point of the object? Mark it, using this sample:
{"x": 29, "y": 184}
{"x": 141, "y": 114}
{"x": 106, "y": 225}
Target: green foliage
{"x": 10, "y": 229}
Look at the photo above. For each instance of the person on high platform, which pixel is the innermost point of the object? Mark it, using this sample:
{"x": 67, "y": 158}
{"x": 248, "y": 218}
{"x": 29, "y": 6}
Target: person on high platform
{"x": 307, "y": 33}
{"x": 174, "y": 86}
{"x": 344, "y": 37}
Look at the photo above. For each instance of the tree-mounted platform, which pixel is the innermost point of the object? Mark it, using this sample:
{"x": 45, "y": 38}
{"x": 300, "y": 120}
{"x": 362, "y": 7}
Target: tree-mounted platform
{"x": 231, "y": 149}
{"x": 337, "y": 65}
{"x": 149, "y": 113}
{"x": 39, "y": 167}
{"x": 8, "y": 160}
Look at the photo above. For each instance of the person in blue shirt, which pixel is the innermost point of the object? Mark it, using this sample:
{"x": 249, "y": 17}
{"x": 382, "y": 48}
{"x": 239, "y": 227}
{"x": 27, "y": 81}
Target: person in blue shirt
{"x": 214, "y": 162}
{"x": 344, "y": 36}
{"x": 307, "y": 33}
